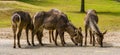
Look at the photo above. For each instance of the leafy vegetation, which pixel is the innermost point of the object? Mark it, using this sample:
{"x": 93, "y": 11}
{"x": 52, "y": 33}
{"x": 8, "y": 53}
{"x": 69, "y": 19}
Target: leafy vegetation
{"x": 108, "y": 11}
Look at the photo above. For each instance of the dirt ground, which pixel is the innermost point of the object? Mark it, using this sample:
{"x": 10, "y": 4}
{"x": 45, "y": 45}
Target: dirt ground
{"x": 111, "y": 45}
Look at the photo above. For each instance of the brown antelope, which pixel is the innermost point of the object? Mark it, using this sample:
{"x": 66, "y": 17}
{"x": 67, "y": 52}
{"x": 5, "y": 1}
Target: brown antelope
{"x": 51, "y": 35}
{"x": 95, "y": 17}
{"x": 91, "y": 21}
{"x": 55, "y": 11}
{"x": 59, "y": 22}
{"x": 21, "y": 20}
{"x": 71, "y": 28}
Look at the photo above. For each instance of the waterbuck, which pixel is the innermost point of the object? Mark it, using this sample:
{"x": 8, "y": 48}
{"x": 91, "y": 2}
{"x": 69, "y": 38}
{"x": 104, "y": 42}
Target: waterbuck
{"x": 59, "y": 22}
{"x": 57, "y": 12}
{"x": 91, "y": 21}
{"x": 95, "y": 17}
{"x": 70, "y": 30}
{"x": 21, "y": 20}
{"x": 51, "y": 34}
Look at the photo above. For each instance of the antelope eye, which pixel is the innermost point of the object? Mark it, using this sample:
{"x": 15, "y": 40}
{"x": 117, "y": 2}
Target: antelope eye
{"x": 75, "y": 34}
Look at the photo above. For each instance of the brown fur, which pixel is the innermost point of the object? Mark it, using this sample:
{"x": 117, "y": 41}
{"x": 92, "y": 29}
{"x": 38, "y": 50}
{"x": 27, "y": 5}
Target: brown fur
{"x": 21, "y": 20}
{"x": 92, "y": 13}
{"x": 50, "y": 21}
{"x": 51, "y": 34}
{"x": 91, "y": 21}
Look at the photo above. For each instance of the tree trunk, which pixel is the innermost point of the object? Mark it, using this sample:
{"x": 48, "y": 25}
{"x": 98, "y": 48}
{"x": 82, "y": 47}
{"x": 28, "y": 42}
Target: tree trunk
{"x": 82, "y": 6}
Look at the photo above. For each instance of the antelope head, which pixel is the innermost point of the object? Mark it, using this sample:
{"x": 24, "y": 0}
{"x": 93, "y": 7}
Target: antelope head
{"x": 78, "y": 38}
{"x": 100, "y": 38}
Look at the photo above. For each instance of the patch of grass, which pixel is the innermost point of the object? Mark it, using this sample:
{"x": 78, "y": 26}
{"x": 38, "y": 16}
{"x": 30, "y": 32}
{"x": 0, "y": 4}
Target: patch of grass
{"x": 8, "y": 7}
{"x": 107, "y": 10}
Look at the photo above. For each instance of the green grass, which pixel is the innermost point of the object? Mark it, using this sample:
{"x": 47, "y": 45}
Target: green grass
{"x": 107, "y": 10}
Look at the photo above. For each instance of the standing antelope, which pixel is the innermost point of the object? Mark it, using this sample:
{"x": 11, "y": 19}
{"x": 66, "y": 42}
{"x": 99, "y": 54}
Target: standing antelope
{"x": 70, "y": 30}
{"x": 58, "y": 12}
{"x": 95, "y": 17}
{"x": 59, "y": 22}
{"x": 51, "y": 34}
{"x": 91, "y": 21}
{"x": 21, "y": 20}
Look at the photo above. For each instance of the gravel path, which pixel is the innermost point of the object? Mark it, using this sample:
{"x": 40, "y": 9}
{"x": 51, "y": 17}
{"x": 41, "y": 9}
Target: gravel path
{"x": 51, "y": 49}
{"x": 111, "y": 46}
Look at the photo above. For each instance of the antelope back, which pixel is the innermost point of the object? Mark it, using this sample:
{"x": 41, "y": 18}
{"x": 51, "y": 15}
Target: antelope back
{"x": 55, "y": 11}
{"x": 21, "y": 18}
{"x": 91, "y": 14}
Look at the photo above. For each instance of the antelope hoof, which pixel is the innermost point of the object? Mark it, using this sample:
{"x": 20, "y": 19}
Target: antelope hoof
{"x": 19, "y": 46}
{"x": 76, "y": 44}
{"x": 42, "y": 44}
{"x": 29, "y": 44}
{"x": 33, "y": 44}
{"x": 14, "y": 46}
{"x": 93, "y": 44}
{"x": 56, "y": 44}
{"x": 63, "y": 45}
{"x": 64, "y": 42}
{"x": 101, "y": 46}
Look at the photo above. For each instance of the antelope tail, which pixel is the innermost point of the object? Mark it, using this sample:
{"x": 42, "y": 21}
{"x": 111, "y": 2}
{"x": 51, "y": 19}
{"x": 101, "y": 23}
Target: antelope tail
{"x": 16, "y": 19}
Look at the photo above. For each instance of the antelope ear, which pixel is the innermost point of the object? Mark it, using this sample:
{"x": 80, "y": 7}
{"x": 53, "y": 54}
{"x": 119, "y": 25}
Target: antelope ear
{"x": 43, "y": 13}
{"x": 97, "y": 33}
{"x": 75, "y": 30}
{"x": 80, "y": 28}
{"x": 104, "y": 32}
{"x": 95, "y": 11}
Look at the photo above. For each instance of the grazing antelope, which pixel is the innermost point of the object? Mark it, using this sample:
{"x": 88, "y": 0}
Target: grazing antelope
{"x": 95, "y": 17}
{"x": 59, "y": 22}
{"x": 51, "y": 34}
{"x": 21, "y": 20}
{"x": 70, "y": 30}
{"x": 91, "y": 21}
{"x": 55, "y": 11}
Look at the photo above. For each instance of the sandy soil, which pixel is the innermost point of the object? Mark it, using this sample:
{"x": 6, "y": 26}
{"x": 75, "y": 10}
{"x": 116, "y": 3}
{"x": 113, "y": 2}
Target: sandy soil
{"x": 111, "y": 45}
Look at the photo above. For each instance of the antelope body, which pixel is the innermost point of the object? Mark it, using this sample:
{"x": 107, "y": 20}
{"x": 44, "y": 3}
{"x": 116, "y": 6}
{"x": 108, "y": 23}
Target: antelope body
{"x": 91, "y": 21}
{"x": 58, "y": 22}
{"x": 21, "y": 20}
